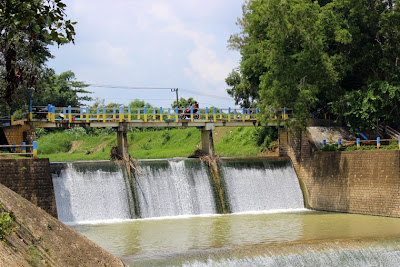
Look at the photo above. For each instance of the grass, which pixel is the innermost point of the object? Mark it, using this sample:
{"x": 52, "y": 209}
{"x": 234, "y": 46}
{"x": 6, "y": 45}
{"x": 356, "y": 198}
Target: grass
{"x": 150, "y": 144}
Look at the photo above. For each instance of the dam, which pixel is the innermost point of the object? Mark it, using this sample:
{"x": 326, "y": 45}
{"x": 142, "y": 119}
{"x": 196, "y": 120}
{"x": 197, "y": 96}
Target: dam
{"x": 170, "y": 214}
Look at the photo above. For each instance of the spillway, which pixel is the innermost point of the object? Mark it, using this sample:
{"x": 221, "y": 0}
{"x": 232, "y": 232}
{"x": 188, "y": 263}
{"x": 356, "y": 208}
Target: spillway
{"x": 171, "y": 188}
{"x": 102, "y": 191}
{"x": 91, "y": 191}
{"x": 259, "y": 185}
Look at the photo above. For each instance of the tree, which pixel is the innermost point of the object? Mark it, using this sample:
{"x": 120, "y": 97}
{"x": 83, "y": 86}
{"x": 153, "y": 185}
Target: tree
{"x": 244, "y": 94}
{"x": 183, "y": 103}
{"x": 139, "y": 104}
{"x": 61, "y": 90}
{"x": 309, "y": 54}
{"x": 27, "y": 27}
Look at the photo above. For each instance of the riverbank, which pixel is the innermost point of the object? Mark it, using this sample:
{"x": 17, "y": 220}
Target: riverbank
{"x": 76, "y": 144}
{"x": 38, "y": 239}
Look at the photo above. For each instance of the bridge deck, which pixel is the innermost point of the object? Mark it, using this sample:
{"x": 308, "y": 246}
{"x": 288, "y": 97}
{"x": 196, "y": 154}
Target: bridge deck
{"x": 142, "y": 124}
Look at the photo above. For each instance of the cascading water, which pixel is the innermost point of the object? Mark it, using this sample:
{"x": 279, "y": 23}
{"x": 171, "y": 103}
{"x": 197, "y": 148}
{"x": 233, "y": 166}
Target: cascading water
{"x": 91, "y": 191}
{"x": 261, "y": 185}
{"x": 170, "y": 188}
{"x": 101, "y": 190}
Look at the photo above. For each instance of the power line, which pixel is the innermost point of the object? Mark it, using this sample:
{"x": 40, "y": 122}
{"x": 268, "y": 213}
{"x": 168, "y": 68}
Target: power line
{"x": 130, "y": 87}
{"x": 158, "y": 88}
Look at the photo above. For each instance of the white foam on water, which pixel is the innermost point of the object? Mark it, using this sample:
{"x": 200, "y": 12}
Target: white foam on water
{"x": 175, "y": 191}
{"x": 262, "y": 189}
{"x": 90, "y": 195}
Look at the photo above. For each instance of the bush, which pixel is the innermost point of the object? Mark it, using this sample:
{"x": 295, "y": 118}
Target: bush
{"x": 5, "y": 224}
{"x": 77, "y": 131}
{"x": 165, "y": 136}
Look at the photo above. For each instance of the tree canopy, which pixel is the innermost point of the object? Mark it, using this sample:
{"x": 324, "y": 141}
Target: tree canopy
{"x": 61, "y": 90}
{"x": 27, "y": 27}
{"x": 339, "y": 55}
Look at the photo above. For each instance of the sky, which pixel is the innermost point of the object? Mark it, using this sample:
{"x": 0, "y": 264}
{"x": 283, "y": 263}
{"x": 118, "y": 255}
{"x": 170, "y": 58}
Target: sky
{"x": 169, "y": 44}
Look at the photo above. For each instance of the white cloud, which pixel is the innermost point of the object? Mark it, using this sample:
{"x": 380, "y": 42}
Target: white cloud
{"x": 181, "y": 43}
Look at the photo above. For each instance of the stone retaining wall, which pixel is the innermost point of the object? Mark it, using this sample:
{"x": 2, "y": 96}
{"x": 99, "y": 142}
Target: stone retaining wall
{"x": 31, "y": 178}
{"x": 364, "y": 182}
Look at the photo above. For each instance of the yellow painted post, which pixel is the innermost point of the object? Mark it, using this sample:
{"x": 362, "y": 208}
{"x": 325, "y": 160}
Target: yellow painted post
{"x": 161, "y": 114}
{"x": 138, "y": 113}
{"x": 358, "y": 143}
{"x": 191, "y": 113}
{"x": 176, "y": 114}
{"x": 87, "y": 114}
{"x": 12, "y": 120}
{"x": 154, "y": 114}
{"x": 215, "y": 114}
{"x": 30, "y": 116}
{"x": 220, "y": 114}
{"x": 98, "y": 114}
{"x": 169, "y": 114}
{"x": 121, "y": 116}
{"x": 206, "y": 114}
{"x": 129, "y": 114}
{"x": 81, "y": 114}
{"x": 104, "y": 114}
{"x": 69, "y": 114}
{"x": 243, "y": 114}
{"x": 114, "y": 114}
{"x": 378, "y": 143}
{"x": 145, "y": 114}
{"x": 34, "y": 149}
{"x": 229, "y": 114}
{"x": 53, "y": 114}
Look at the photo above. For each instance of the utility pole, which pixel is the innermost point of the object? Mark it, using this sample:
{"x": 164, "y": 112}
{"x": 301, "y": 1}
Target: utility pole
{"x": 177, "y": 98}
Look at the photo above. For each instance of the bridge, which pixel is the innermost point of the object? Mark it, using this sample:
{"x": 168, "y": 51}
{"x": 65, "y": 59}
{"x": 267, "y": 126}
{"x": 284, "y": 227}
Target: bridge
{"x": 124, "y": 118}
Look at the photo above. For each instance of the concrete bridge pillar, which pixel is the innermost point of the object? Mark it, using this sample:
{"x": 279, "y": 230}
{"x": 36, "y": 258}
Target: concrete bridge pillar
{"x": 123, "y": 141}
{"x": 207, "y": 143}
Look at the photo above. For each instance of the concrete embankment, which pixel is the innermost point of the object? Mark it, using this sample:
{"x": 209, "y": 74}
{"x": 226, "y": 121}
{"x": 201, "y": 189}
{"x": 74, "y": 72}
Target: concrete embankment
{"x": 363, "y": 182}
{"x": 41, "y": 240}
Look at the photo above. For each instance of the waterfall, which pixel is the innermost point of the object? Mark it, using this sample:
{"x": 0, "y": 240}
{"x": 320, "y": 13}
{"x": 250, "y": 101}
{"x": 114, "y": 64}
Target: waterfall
{"x": 101, "y": 190}
{"x": 261, "y": 185}
{"x": 170, "y": 188}
{"x": 91, "y": 191}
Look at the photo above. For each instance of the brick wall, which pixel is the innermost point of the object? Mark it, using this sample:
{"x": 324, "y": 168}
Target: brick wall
{"x": 365, "y": 182}
{"x": 31, "y": 178}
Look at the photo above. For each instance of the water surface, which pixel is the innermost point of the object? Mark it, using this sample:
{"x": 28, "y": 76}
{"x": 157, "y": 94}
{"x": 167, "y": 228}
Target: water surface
{"x": 160, "y": 240}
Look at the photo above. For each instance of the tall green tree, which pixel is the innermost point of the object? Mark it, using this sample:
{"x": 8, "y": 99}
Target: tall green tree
{"x": 137, "y": 103}
{"x": 312, "y": 54}
{"x": 27, "y": 27}
{"x": 61, "y": 90}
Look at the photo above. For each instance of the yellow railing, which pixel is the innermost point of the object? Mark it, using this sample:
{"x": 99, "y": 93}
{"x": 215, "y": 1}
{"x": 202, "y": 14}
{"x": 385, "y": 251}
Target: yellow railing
{"x": 127, "y": 114}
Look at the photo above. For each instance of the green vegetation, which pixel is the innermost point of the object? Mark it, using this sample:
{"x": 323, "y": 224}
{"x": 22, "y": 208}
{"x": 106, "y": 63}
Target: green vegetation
{"x": 334, "y": 147}
{"x": 78, "y": 144}
{"x": 34, "y": 255}
{"x": 6, "y": 222}
{"x": 327, "y": 56}
{"x": 27, "y": 29}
